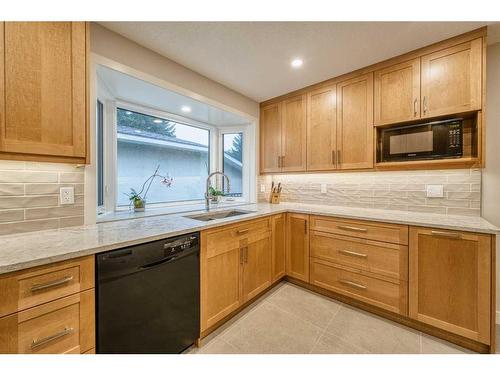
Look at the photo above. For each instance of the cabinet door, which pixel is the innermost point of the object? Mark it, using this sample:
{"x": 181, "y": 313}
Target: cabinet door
{"x": 257, "y": 266}
{"x": 63, "y": 326}
{"x": 451, "y": 80}
{"x": 297, "y": 251}
{"x": 397, "y": 93}
{"x": 450, "y": 276}
{"x": 293, "y": 136}
{"x": 270, "y": 138}
{"x": 321, "y": 129}
{"x": 355, "y": 123}
{"x": 220, "y": 282}
{"x": 44, "y": 88}
{"x": 278, "y": 246}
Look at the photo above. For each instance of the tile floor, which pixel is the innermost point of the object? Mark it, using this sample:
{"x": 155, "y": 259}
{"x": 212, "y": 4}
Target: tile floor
{"x": 289, "y": 319}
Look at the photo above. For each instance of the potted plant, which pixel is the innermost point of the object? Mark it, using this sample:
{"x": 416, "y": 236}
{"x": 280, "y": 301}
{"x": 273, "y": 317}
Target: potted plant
{"x": 215, "y": 194}
{"x": 138, "y": 199}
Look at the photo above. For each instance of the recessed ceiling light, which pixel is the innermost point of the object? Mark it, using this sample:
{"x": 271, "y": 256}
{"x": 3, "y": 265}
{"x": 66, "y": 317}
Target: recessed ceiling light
{"x": 157, "y": 121}
{"x": 186, "y": 109}
{"x": 296, "y": 63}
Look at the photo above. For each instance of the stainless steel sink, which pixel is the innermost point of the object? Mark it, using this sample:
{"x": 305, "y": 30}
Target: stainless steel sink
{"x": 218, "y": 215}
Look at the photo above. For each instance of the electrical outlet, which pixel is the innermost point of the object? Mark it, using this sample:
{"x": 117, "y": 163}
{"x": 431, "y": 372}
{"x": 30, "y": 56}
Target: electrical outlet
{"x": 323, "y": 188}
{"x": 262, "y": 188}
{"x": 435, "y": 191}
{"x": 67, "y": 195}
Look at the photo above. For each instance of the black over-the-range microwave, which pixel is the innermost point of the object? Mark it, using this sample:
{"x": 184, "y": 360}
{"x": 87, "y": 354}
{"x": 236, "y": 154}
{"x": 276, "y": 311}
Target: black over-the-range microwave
{"x": 432, "y": 140}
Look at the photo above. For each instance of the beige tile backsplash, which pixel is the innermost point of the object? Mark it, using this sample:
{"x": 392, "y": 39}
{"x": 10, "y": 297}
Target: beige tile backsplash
{"x": 29, "y": 196}
{"x": 401, "y": 190}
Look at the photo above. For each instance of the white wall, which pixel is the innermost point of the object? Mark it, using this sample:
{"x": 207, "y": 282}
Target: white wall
{"x": 491, "y": 174}
{"x": 113, "y": 46}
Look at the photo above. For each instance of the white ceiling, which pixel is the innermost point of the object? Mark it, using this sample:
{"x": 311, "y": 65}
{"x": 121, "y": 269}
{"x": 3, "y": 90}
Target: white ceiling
{"x": 134, "y": 90}
{"x": 253, "y": 58}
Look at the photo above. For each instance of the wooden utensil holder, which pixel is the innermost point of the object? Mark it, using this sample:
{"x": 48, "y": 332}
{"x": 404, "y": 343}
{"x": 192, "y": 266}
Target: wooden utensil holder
{"x": 275, "y": 198}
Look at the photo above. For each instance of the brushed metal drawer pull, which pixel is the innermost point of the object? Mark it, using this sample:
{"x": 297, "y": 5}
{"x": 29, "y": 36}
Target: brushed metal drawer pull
{"x": 415, "y": 101}
{"x": 242, "y": 231}
{"x": 445, "y": 234}
{"x": 353, "y": 254}
{"x": 354, "y": 229}
{"x": 50, "y": 284}
{"x": 37, "y": 343}
{"x": 353, "y": 284}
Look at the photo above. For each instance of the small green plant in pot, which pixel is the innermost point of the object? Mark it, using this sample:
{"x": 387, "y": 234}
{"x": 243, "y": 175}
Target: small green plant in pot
{"x": 138, "y": 199}
{"x": 215, "y": 194}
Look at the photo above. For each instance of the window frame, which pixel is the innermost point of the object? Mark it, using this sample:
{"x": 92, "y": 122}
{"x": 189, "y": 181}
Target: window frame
{"x": 245, "y": 182}
{"x": 215, "y": 154}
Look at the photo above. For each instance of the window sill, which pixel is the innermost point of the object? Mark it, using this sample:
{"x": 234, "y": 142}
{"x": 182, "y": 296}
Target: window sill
{"x": 165, "y": 210}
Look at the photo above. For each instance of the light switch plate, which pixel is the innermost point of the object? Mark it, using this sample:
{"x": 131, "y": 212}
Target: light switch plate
{"x": 67, "y": 195}
{"x": 262, "y": 188}
{"x": 323, "y": 188}
{"x": 435, "y": 191}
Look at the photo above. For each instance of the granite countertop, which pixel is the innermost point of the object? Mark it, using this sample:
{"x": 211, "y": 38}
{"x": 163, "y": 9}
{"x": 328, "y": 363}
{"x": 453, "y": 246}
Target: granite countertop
{"x": 27, "y": 250}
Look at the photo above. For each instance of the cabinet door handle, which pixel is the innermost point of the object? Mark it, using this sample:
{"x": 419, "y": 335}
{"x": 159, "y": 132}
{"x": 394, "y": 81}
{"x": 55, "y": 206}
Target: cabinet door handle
{"x": 242, "y": 255}
{"x": 353, "y": 284}
{"x": 446, "y": 234}
{"x": 37, "y": 343}
{"x": 50, "y": 284}
{"x": 333, "y": 157}
{"x": 425, "y": 104}
{"x": 352, "y": 229}
{"x": 241, "y": 231}
{"x": 282, "y": 162}
{"x": 415, "y": 101}
{"x": 245, "y": 254}
{"x": 279, "y": 161}
{"x": 305, "y": 226}
{"x": 353, "y": 254}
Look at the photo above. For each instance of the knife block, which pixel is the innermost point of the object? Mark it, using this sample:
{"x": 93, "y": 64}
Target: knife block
{"x": 275, "y": 198}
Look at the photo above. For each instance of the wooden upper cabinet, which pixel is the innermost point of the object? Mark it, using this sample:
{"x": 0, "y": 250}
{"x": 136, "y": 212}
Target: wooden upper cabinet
{"x": 355, "y": 123}
{"x": 450, "y": 281}
{"x": 321, "y": 129}
{"x": 293, "y": 134}
{"x": 270, "y": 138}
{"x": 397, "y": 93}
{"x": 43, "y": 89}
{"x": 451, "y": 80}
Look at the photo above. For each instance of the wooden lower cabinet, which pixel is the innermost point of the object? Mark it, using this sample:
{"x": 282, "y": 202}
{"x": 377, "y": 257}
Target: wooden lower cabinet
{"x": 63, "y": 326}
{"x": 278, "y": 223}
{"x": 450, "y": 281}
{"x": 386, "y": 293}
{"x": 236, "y": 265}
{"x": 48, "y": 309}
{"x": 257, "y": 267}
{"x": 297, "y": 246}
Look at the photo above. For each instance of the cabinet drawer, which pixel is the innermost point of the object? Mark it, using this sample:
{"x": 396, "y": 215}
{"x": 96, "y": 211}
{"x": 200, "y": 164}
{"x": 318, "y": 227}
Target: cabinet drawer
{"x": 376, "y": 231}
{"x": 234, "y": 236}
{"x": 58, "y": 327}
{"x": 389, "y": 295}
{"x": 382, "y": 258}
{"x": 29, "y": 288}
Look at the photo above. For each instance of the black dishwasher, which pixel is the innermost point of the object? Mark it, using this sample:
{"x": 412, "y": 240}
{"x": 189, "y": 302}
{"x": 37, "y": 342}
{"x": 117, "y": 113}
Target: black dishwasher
{"x": 148, "y": 297}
